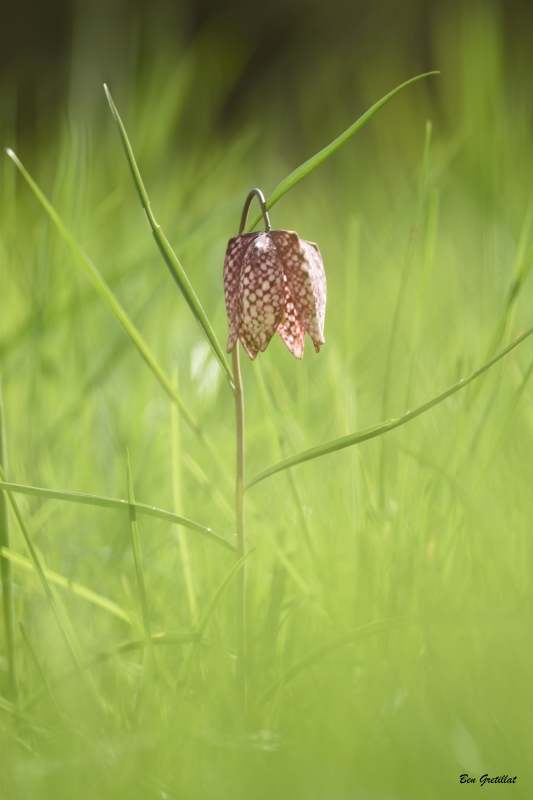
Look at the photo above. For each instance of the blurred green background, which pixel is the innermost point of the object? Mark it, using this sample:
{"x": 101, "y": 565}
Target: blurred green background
{"x": 426, "y": 231}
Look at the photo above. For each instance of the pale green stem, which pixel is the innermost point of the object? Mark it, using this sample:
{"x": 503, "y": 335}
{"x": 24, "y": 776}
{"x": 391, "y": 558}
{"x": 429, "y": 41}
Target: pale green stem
{"x": 241, "y": 536}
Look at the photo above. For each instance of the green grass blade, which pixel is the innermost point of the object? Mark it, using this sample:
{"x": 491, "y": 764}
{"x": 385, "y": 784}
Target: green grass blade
{"x": 382, "y": 427}
{"x": 162, "y": 639}
{"x": 401, "y": 301}
{"x": 502, "y": 427}
{"x": 272, "y": 415}
{"x": 169, "y": 256}
{"x": 5, "y": 705}
{"x": 185, "y": 667}
{"x": 175, "y": 447}
{"x": 424, "y": 275}
{"x": 522, "y": 268}
{"x": 45, "y": 682}
{"x": 110, "y": 502}
{"x": 5, "y": 570}
{"x": 114, "y": 306}
{"x": 314, "y": 162}
{"x": 50, "y": 597}
{"x": 71, "y": 586}
{"x": 371, "y": 629}
{"x": 214, "y": 492}
{"x": 136, "y": 546}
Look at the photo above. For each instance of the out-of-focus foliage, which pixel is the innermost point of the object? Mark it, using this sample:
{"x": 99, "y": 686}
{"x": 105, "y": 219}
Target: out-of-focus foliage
{"x": 428, "y": 265}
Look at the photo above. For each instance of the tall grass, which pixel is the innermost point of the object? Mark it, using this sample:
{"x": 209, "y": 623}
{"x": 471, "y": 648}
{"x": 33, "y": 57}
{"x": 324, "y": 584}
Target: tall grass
{"x": 389, "y": 593}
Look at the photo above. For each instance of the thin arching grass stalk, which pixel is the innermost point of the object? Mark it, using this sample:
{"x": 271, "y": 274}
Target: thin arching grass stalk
{"x": 311, "y": 164}
{"x": 6, "y": 573}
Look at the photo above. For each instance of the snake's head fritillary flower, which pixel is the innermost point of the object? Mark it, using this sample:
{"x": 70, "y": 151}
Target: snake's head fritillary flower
{"x": 274, "y": 281}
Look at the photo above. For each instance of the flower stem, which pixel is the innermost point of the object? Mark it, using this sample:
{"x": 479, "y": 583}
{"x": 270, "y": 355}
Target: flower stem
{"x": 241, "y": 536}
{"x": 239, "y": 481}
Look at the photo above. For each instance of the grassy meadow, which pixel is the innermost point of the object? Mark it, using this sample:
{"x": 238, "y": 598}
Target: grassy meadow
{"x": 422, "y": 534}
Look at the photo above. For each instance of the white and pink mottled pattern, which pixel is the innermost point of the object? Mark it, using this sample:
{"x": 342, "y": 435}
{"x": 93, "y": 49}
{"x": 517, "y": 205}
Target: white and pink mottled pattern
{"x": 274, "y": 281}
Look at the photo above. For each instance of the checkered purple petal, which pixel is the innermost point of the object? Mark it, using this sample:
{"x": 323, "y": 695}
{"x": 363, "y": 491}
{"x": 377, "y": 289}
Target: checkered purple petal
{"x": 261, "y": 294}
{"x": 232, "y": 273}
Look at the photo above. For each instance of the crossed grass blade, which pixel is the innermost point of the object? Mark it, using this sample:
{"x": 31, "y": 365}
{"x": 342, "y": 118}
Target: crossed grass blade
{"x": 116, "y": 309}
{"x": 110, "y": 502}
{"x": 36, "y": 723}
{"x": 76, "y": 588}
{"x": 86, "y": 681}
{"x": 370, "y": 629}
{"x": 169, "y": 256}
{"x": 161, "y": 639}
{"x": 382, "y": 427}
{"x": 298, "y": 174}
{"x": 46, "y": 685}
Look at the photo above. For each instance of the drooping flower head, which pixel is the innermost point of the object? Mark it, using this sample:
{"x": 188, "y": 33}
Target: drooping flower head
{"x": 273, "y": 281}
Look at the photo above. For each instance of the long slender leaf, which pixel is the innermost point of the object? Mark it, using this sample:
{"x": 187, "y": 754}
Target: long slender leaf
{"x": 314, "y": 162}
{"x": 382, "y": 427}
{"x": 169, "y": 256}
{"x": 71, "y": 586}
{"x": 116, "y": 309}
{"x": 110, "y": 502}
{"x": 371, "y": 629}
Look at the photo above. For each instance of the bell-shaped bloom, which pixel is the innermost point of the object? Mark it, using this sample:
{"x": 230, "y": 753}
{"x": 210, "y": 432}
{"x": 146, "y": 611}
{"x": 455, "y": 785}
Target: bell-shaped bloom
{"x": 274, "y": 281}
